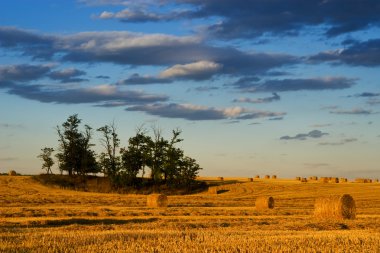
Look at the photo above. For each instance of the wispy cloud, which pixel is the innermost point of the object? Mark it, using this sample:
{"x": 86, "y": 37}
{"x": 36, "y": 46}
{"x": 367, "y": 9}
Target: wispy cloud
{"x": 321, "y": 125}
{"x": 11, "y": 126}
{"x": 186, "y": 54}
{"x": 315, "y": 134}
{"x": 68, "y": 75}
{"x": 366, "y": 95}
{"x": 358, "y": 54}
{"x": 313, "y": 84}
{"x": 354, "y": 111}
{"x": 274, "y": 97}
{"x": 94, "y": 94}
{"x": 8, "y": 159}
{"x": 338, "y": 143}
{"x": 21, "y": 73}
{"x": 196, "y": 112}
{"x": 373, "y": 101}
{"x": 251, "y": 19}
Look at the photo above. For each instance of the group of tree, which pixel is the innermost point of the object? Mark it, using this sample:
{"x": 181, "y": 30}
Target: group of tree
{"x": 146, "y": 160}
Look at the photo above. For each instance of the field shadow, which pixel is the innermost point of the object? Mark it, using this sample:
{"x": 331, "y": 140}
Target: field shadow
{"x": 222, "y": 191}
{"x": 89, "y": 222}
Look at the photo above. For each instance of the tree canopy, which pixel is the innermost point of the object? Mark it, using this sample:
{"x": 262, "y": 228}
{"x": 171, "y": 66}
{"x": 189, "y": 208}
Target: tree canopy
{"x": 146, "y": 160}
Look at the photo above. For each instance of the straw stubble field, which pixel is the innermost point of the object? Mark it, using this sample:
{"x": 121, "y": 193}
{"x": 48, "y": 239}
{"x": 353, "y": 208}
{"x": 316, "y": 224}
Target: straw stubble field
{"x": 36, "y": 218}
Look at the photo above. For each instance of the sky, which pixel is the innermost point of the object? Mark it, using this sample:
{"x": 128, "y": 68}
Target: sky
{"x": 285, "y": 87}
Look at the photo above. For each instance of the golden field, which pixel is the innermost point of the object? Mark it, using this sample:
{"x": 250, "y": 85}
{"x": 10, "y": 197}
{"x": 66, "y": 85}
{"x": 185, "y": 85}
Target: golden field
{"x": 37, "y": 218}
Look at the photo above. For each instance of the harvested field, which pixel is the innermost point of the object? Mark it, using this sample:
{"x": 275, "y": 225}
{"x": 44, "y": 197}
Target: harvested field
{"x": 36, "y": 218}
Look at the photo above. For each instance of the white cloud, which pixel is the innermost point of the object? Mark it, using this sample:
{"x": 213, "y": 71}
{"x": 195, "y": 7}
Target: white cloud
{"x": 197, "y": 70}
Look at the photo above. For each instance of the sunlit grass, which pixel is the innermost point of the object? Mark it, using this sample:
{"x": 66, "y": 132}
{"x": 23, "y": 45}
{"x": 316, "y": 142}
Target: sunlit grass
{"x": 41, "y": 219}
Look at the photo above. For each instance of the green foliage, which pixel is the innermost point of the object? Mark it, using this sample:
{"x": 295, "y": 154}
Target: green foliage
{"x": 48, "y": 162}
{"x": 108, "y": 160}
{"x": 76, "y": 156}
{"x": 124, "y": 167}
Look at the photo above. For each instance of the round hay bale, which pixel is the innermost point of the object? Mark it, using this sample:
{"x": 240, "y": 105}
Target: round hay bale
{"x": 264, "y": 203}
{"x": 334, "y": 180}
{"x": 314, "y": 178}
{"x": 257, "y": 176}
{"x": 274, "y": 176}
{"x": 361, "y": 180}
{"x": 376, "y": 180}
{"x": 221, "y": 178}
{"x": 298, "y": 178}
{"x": 157, "y": 200}
{"x": 335, "y": 207}
{"x": 324, "y": 179}
{"x": 12, "y": 173}
{"x": 250, "y": 179}
{"x": 304, "y": 180}
{"x": 213, "y": 190}
{"x": 343, "y": 180}
{"x": 267, "y": 177}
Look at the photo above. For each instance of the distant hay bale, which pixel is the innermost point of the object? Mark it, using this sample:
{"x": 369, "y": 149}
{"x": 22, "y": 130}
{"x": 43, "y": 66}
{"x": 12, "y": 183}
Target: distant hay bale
{"x": 334, "y": 180}
{"x": 264, "y": 203}
{"x": 156, "y": 200}
{"x": 304, "y": 180}
{"x": 274, "y": 177}
{"x": 335, "y": 207}
{"x": 313, "y": 178}
{"x": 298, "y": 178}
{"x": 324, "y": 179}
{"x": 257, "y": 176}
{"x": 369, "y": 180}
{"x": 361, "y": 180}
{"x": 250, "y": 179}
{"x": 267, "y": 177}
{"x": 213, "y": 190}
{"x": 343, "y": 180}
{"x": 12, "y": 173}
{"x": 376, "y": 180}
{"x": 221, "y": 178}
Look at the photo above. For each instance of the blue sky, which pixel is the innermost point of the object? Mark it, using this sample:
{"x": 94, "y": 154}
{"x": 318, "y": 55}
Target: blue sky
{"x": 258, "y": 87}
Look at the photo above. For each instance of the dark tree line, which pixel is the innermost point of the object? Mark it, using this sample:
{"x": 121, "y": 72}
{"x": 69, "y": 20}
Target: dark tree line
{"x": 146, "y": 160}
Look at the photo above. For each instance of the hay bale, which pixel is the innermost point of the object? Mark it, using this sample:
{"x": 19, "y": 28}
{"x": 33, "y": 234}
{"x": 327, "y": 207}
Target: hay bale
{"x": 334, "y": 180}
{"x": 343, "y": 180}
{"x": 335, "y": 207}
{"x": 250, "y": 179}
{"x": 12, "y": 173}
{"x": 274, "y": 177}
{"x": 157, "y": 200}
{"x": 324, "y": 179}
{"x": 361, "y": 180}
{"x": 257, "y": 176}
{"x": 313, "y": 178}
{"x": 298, "y": 178}
{"x": 221, "y": 178}
{"x": 376, "y": 180}
{"x": 267, "y": 177}
{"x": 264, "y": 203}
{"x": 304, "y": 180}
{"x": 213, "y": 190}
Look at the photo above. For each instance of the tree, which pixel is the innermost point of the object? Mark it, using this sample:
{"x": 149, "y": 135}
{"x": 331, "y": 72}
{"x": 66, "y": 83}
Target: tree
{"x": 136, "y": 156}
{"x": 75, "y": 154}
{"x": 172, "y": 159}
{"x": 156, "y": 159}
{"x": 109, "y": 161}
{"x": 188, "y": 171}
{"x": 47, "y": 160}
